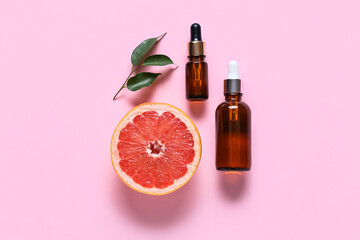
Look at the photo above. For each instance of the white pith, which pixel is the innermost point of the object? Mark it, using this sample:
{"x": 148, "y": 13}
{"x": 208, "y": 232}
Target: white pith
{"x": 159, "y": 108}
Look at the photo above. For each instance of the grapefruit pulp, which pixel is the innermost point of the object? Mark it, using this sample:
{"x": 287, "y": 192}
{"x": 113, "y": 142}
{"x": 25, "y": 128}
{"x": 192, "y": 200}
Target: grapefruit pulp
{"x": 155, "y": 148}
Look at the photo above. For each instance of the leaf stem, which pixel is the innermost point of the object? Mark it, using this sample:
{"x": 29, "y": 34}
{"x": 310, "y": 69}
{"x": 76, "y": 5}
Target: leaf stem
{"x": 133, "y": 69}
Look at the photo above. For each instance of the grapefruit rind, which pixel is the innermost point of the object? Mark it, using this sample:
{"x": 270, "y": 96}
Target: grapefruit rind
{"x": 159, "y": 108}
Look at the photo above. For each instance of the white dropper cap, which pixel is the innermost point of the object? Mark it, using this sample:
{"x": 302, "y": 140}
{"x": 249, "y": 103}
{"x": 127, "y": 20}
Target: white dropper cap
{"x": 232, "y": 84}
{"x": 233, "y": 70}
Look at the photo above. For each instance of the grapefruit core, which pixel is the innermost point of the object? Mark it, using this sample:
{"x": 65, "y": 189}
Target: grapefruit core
{"x": 155, "y": 148}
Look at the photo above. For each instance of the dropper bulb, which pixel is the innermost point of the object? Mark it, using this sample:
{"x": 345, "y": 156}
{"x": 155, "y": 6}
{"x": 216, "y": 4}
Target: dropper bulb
{"x": 195, "y": 31}
{"x": 233, "y": 70}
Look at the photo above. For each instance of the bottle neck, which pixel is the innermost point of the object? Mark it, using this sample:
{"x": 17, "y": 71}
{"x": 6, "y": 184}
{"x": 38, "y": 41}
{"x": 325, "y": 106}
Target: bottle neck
{"x": 196, "y": 58}
{"x": 233, "y": 97}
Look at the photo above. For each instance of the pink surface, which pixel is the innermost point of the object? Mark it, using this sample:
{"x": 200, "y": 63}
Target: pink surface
{"x": 61, "y": 62}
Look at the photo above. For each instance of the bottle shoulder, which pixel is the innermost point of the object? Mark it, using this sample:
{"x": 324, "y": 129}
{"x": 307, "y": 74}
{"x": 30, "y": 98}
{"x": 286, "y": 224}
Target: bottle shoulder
{"x": 192, "y": 60}
{"x": 245, "y": 106}
{"x": 240, "y": 105}
{"x": 222, "y": 105}
{"x": 191, "y": 64}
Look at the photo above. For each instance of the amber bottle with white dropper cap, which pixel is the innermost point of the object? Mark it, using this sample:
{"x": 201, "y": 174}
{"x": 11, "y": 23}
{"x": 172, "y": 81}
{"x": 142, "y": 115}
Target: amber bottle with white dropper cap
{"x": 233, "y": 126}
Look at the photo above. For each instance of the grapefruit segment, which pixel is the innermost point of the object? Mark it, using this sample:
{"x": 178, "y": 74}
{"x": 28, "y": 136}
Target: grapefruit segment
{"x": 163, "y": 124}
{"x": 163, "y": 176}
{"x": 132, "y": 164}
{"x": 145, "y": 174}
{"x": 146, "y": 123}
{"x": 183, "y": 156}
{"x": 127, "y": 149}
{"x": 155, "y": 148}
{"x": 175, "y": 168}
{"x": 182, "y": 140}
{"x": 131, "y": 133}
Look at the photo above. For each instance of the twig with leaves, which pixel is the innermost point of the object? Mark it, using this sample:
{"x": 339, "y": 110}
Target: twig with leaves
{"x": 144, "y": 79}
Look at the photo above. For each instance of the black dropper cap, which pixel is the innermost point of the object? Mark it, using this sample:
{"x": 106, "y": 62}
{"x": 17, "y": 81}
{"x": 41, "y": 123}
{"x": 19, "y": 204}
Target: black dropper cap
{"x": 195, "y": 30}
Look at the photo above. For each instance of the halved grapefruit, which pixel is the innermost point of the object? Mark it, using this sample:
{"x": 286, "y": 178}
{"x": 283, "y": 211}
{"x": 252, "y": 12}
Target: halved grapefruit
{"x": 155, "y": 148}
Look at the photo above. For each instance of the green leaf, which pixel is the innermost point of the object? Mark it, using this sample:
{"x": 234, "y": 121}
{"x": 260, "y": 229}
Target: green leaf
{"x": 140, "y": 80}
{"x": 157, "y": 60}
{"x": 144, "y": 47}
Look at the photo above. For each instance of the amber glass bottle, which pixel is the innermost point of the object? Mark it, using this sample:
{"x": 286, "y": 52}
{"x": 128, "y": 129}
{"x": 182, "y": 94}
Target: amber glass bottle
{"x": 196, "y": 69}
{"x": 233, "y": 127}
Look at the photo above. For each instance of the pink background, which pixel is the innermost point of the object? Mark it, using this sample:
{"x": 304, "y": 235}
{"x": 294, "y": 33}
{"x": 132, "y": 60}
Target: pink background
{"x": 61, "y": 62}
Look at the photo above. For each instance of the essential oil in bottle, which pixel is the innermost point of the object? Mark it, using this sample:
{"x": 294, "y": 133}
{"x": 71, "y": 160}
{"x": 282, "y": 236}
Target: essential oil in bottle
{"x": 196, "y": 68}
{"x": 233, "y": 126}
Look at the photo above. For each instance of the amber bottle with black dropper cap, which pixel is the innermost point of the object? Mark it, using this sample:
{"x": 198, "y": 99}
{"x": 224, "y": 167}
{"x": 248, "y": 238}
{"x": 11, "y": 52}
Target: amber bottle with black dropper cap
{"x": 233, "y": 127}
{"x": 196, "y": 68}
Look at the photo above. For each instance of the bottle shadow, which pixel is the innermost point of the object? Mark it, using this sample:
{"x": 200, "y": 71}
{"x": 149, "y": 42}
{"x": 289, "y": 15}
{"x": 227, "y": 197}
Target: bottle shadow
{"x": 154, "y": 211}
{"x": 233, "y": 185}
{"x": 197, "y": 108}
